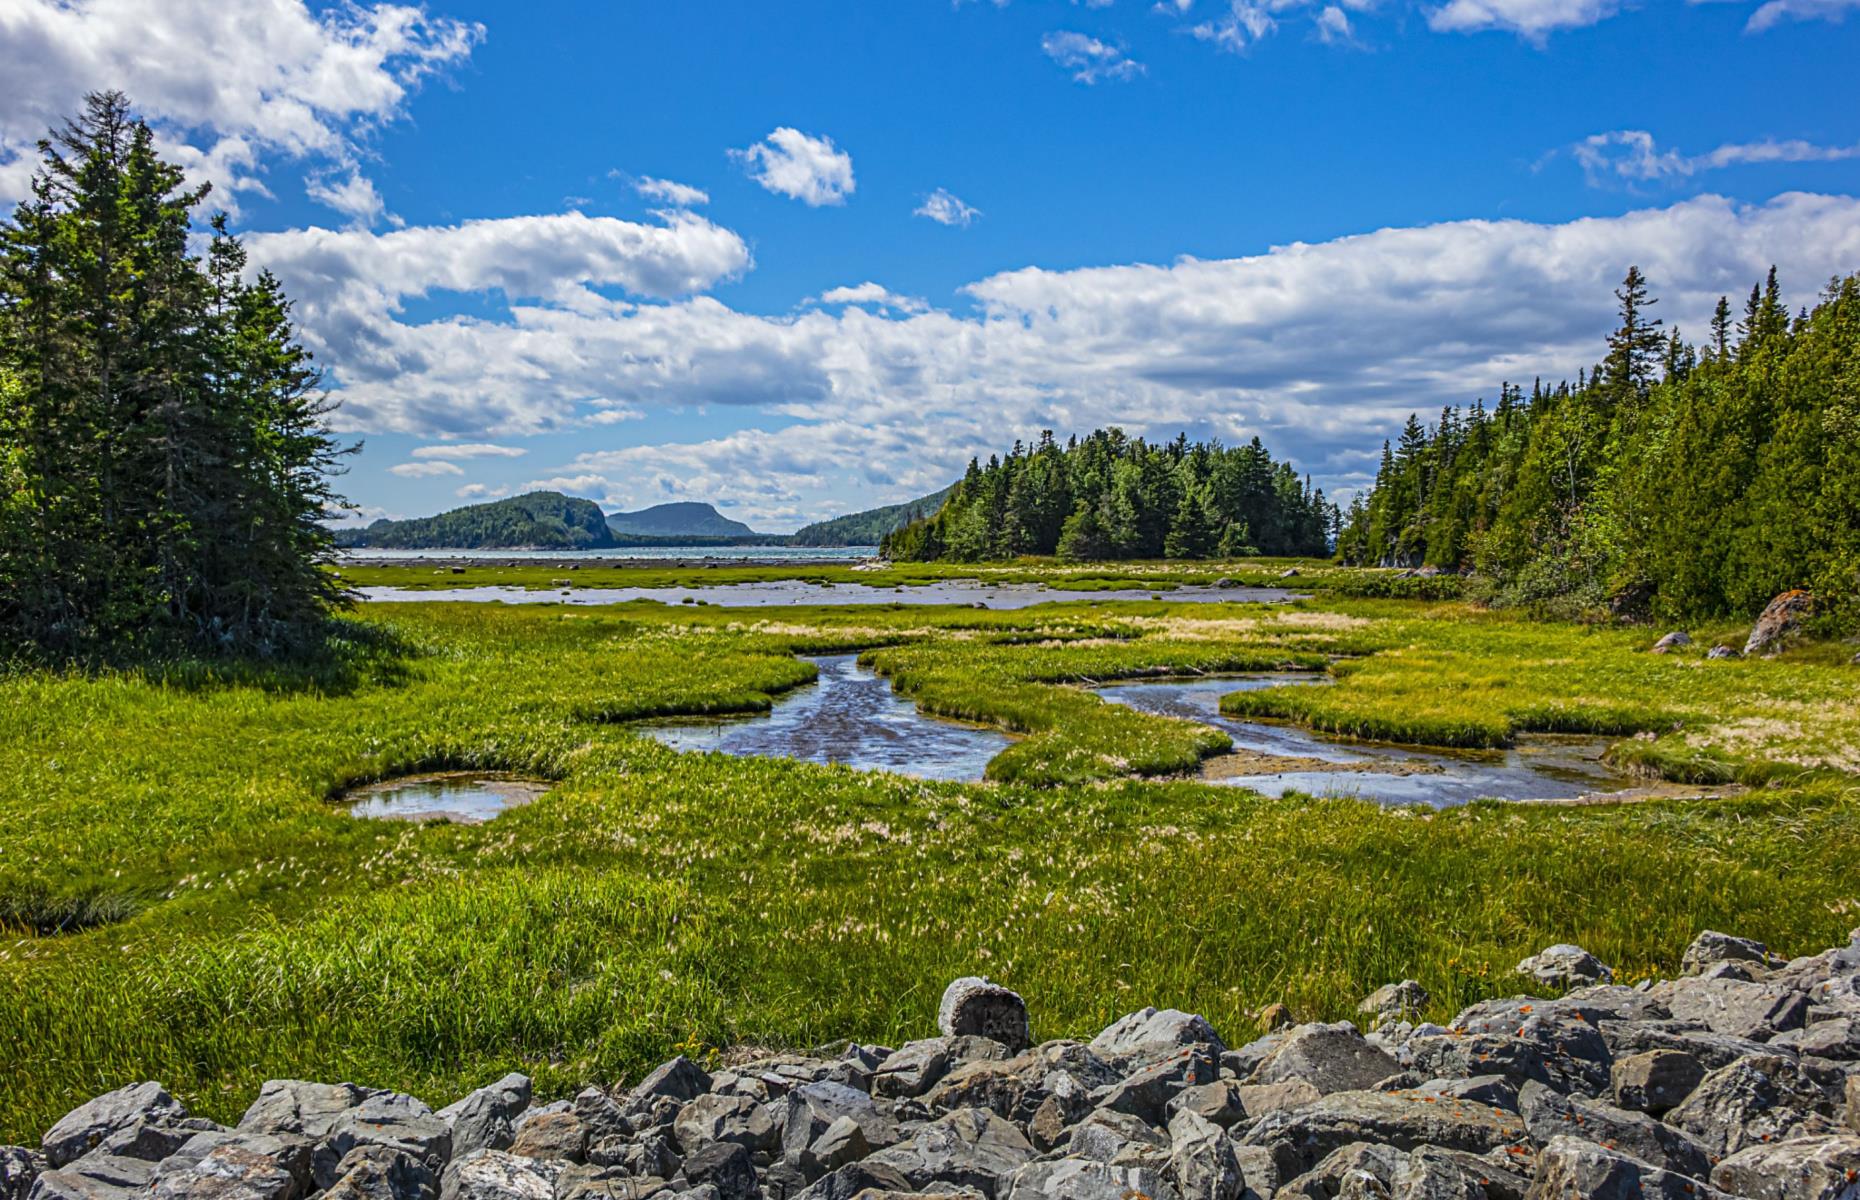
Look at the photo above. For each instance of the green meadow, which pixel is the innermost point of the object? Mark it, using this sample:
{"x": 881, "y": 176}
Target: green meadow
{"x": 185, "y": 898}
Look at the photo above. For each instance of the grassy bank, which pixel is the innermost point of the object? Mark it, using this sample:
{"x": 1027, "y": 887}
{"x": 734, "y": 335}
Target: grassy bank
{"x": 223, "y": 922}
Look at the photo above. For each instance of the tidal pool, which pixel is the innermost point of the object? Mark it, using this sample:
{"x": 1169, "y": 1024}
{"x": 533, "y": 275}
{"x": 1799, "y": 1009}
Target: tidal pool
{"x": 788, "y": 592}
{"x": 1275, "y": 759}
{"x": 849, "y": 716}
{"x": 464, "y": 798}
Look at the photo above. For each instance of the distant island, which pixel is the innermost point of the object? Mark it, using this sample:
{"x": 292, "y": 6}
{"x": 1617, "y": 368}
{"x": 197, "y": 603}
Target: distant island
{"x": 552, "y": 521}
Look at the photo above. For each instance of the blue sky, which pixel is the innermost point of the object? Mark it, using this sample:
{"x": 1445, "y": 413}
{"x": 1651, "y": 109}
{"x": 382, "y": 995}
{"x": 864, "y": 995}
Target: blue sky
{"x": 656, "y": 251}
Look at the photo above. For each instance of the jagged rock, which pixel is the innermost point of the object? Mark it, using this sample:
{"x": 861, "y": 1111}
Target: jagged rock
{"x": 84, "y": 1128}
{"x": 856, "y": 1179}
{"x": 1713, "y": 947}
{"x": 1204, "y": 1163}
{"x": 498, "y": 1175}
{"x": 288, "y": 1152}
{"x": 1430, "y": 1173}
{"x": 96, "y": 1177}
{"x": 1363, "y": 1167}
{"x": 1151, "y": 1033}
{"x": 1395, "y": 1001}
{"x": 974, "y": 1006}
{"x": 382, "y": 1173}
{"x": 1079, "y": 1179}
{"x": 1493, "y": 1090}
{"x": 297, "y": 1107}
{"x": 1549, "y": 1115}
{"x": 1300, "y": 1138}
{"x": 1780, "y": 621}
{"x": 1837, "y": 1038}
{"x": 726, "y": 1167}
{"x": 1264, "y": 1099}
{"x": 19, "y": 1167}
{"x": 1851, "y": 1107}
{"x": 558, "y": 1136}
{"x": 680, "y": 1079}
{"x": 1720, "y": 652}
{"x": 1148, "y": 1090}
{"x": 712, "y": 1118}
{"x": 843, "y": 1142}
{"x": 1218, "y": 1102}
{"x": 1571, "y": 1169}
{"x": 486, "y": 1119}
{"x": 1713, "y": 1050}
{"x": 228, "y": 1172}
{"x": 1332, "y": 1058}
{"x": 973, "y": 1148}
{"x": 1736, "y": 1008}
{"x": 1001, "y": 1085}
{"x": 1565, "y": 966}
{"x": 585, "y": 1181}
{"x": 1672, "y": 642}
{"x": 1752, "y": 1101}
{"x": 1104, "y": 1135}
{"x": 814, "y": 1107}
{"x": 383, "y": 1119}
{"x": 1818, "y": 1168}
{"x": 1655, "y": 1081}
{"x": 913, "y": 1070}
{"x": 1521, "y": 1039}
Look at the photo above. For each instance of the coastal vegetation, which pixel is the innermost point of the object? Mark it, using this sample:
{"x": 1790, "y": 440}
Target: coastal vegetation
{"x": 535, "y": 520}
{"x": 870, "y": 527}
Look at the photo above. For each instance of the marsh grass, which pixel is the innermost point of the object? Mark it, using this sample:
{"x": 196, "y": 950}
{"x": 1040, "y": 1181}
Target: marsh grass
{"x": 246, "y": 927}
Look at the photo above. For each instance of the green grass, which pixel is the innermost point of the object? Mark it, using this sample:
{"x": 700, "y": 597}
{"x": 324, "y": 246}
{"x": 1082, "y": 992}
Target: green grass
{"x": 225, "y": 922}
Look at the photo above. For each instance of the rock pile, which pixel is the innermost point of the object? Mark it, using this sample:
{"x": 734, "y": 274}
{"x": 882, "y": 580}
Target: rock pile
{"x": 1741, "y": 1078}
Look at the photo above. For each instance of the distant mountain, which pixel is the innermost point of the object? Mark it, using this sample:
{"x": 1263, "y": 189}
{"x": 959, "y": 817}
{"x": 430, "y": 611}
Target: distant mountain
{"x": 686, "y": 519}
{"x": 538, "y": 520}
{"x": 869, "y": 527}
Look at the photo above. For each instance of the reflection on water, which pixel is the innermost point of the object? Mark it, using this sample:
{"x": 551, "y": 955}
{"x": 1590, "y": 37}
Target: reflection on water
{"x": 850, "y": 716}
{"x": 461, "y": 797}
{"x": 1539, "y": 768}
{"x": 778, "y": 592}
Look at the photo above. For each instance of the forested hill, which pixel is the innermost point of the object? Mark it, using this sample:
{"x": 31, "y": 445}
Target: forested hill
{"x": 1112, "y": 496}
{"x": 683, "y": 519}
{"x": 537, "y": 520}
{"x": 868, "y": 528}
{"x": 1672, "y": 480}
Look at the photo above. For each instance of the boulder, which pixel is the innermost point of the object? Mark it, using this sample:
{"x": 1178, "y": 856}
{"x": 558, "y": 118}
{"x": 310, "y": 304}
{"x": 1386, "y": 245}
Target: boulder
{"x": 1720, "y": 652}
{"x": 974, "y": 1006}
{"x": 1264, "y": 1099}
{"x": 1219, "y": 1102}
{"x": 1713, "y": 947}
{"x": 1106, "y": 1135}
{"x": 498, "y": 1175}
{"x": 1331, "y": 1058}
{"x": 680, "y": 1080}
{"x": 96, "y": 1177}
{"x": 1752, "y": 1101}
{"x": 1362, "y": 1169}
{"x": 843, "y": 1142}
{"x": 971, "y": 1148}
{"x": 382, "y": 1173}
{"x": 85, "y": 1127}
{"x": 1080, "y": 1179}
{"x": 558, "y": 1136}
{"x": 1780, "y": 621}
{"x": 228, "y": 1172}
{"x": 1816, "y": 1168}
{"x": 388, "y": 1119}
{"x": 711, "y": 1118}
{"x": 814, "y": 1107}
{"x": 298, "y": 1108}
{"x": 1549, "y": 1116}
{"x": 1430, "y": 1173}
{"x": 724, "y": 1166}
{"x": 854, "y": 1179}
{"x": 1565, "y": 966}
{"x": 1713, "y": 1050}
{"x": 913, "y": 1069}
{"x": 1147, "y": 1091}
{"x": 19, "y": 1167}
{"x": 1837, "y": 1038}
{"x": 1395, "y": 1002}
{"x": 1735, "y": 1007}
{"x": 1204, "y": 1162}
{"x": 1493, "y": 1090}
{"x": 1572, "y": 1169}
{"x": 1152, "y": 1033}
{"x": 1654, "y": 1081}
{"x": 1300, "y": 1138}
{"x": 486, "y": 1119}
{"x": 1672, "y": 642}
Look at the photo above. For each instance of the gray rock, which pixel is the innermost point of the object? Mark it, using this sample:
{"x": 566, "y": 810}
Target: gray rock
{"x": 1780, "y": 621}
{"x": 486, "y": 1119}
{"x": 1736, "y": 1008}
{"x": 1818, "y": 1168}
{"x": 1395, "y": 1002}
{"x": 1672, "y": 641}
{"x": 1753, "y": 1101}
{"x": 1851, "y": 1105}
{"x": 1264, "y": 1099}
{"x": 1565, "y": 966}
{"x": 1361, "y": 1169}
{"x": 558, "y": 1136}
{"x": 96, "y": 1177}
{"x": 813, "y": 1107}
{"x": 1572, "y": 1169}
{"x": 389, "y": 1119}
{"x": 1837, "y": 1038}
{"x": 498, "y": 1175}
{"x": 724, "y": 1166}
{"x": 1219, "y": 1102}
{"x": 1654, "y": 1081}
{"x": 1105, "y": 1135}
{"x": 1332, "y": 1058}
{"x": 1493, "y": 1090}
{"x": 972, "y": 1148}
{"x": 584, "y": 1181}
{"x": 228, "y": 1172}
{"x": 1713, "y": 1050}
{"x": 288, "y": 1152}
{"x": 1146, "y": 1093}
{"x": 1429, "y": 1173}
{"x": 1080, "y": 1179}
{"x": 382, "y": 1173}
{"x": 19, "y": 1167}
{"x": 1003, "y": 1086}
{"x": 680, "y": 1079}
{"x": 296, "y": 1107}
{"x": 1721, "y": 652}
{"x": 736, "y": 1119}
{"x": 855, "y": 1178}
{"x": 85, "y": 1127}
{"x": 1549, "y": 1116}
{"x": 1521, "y": 1039}
{"x": 973, "y": 1005}
{"x": 1713, "y": 947}
{"x": 1204, "y": 1162}
{"x": 843, "y": 1142}
{"x": 604, "y": 1118}
{"x": 1302, "y": 1137}
{"x": 913, "y": 1070}
{"x": 1153, "y": 1033}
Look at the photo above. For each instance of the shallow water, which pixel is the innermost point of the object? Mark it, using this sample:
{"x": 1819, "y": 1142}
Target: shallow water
{"x": 850, "y": 716}
{"x": 785, "y": 592}
{"x": 463, "y": 798}
{"x": 1540, "y": 768}
{"x": 373, "y": 554}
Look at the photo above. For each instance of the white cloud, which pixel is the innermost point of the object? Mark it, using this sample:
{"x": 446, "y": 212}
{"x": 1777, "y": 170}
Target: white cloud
{"x": 1333, "y": 25}
{"x": 232, "y": 82}
{"x": 1530, "y": 19}
{"x": 793, "y": 164}
{"x": 1777, "y": 11}
{"x": 1089, "y": 59}
{"x": 678, "y": 195}
{"x": 354, "y": 196}
{"x": 1244, "y": 23}
{"x": 425, "y": 470}
{"x": 945, "y": 208}
{"x": 873, "y": 293}
{"x": 480, "y": 491}
{"x": 457, "y": 450}
{"x": 1316, "y": 348}
{"x": 1634, "y": 155}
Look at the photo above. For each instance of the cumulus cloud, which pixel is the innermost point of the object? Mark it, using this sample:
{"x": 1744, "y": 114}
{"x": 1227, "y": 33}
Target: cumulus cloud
{"x": 425, "y": 470}
{"x": 455, "y": 450}
{"x": 1089, "y": 59}
{"x": 805, "y": 168}
{"x": 873, "y": 293}
{"x": 1777, "y": 11}
{"x": 1530, "y": 19}
{"x": 1634, "y": 155}
{"x": 678, "y": 195}
{"x": 480, "y": 491}
{"x": 282, "y": 80}
{"x": 1312, "y": 346}
{"x": 945, "y": 208}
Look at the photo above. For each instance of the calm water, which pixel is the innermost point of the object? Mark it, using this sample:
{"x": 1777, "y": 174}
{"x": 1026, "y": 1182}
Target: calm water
{"x": 362, "y": 554}
{"x": 467, "y": 799}
{"x": 850, "y": 716}
{"x": 1539, "y": 768}
{"x": 788, "y": 592}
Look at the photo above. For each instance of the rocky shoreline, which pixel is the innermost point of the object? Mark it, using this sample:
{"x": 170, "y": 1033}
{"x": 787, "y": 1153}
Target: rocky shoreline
{"x": 1741, "y": 1078}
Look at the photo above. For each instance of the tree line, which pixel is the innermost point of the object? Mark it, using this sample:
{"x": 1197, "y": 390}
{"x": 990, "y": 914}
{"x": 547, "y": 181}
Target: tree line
{"x": 1111, "y": 496}
{"x": 1673, "y": 479}
{"x": 165, "y": 464}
